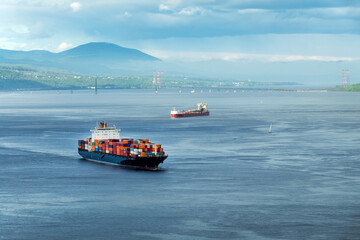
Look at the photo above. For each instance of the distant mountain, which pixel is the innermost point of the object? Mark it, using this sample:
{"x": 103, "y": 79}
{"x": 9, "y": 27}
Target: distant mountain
{"x": 90, "y": 58}
{"x": 105, "y": 52}
{"x": 18, "y": 56}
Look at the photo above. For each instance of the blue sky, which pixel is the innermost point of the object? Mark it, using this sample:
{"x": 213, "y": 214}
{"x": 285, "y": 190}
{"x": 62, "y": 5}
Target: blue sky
{"x": 192, "y": 30}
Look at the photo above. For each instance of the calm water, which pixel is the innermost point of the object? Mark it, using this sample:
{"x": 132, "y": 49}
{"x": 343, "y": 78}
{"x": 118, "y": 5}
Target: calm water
{"x": 225, "y": 178}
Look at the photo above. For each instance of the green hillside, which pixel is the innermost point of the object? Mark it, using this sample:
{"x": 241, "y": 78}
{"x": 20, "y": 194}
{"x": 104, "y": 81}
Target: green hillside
{"x": 353, "y": 88}
{"x": 350, "y": 88}
{"x": 26, "y": 78}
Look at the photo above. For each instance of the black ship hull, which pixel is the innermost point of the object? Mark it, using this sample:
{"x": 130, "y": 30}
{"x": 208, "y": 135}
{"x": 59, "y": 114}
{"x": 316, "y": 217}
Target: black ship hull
{"x": 148, "y": 163}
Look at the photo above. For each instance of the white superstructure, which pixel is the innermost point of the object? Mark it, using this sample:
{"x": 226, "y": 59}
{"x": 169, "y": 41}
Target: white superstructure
{"x": 104, "y": 132}
{"x": 202, "y": 107}
{"x": 174, "y": 111}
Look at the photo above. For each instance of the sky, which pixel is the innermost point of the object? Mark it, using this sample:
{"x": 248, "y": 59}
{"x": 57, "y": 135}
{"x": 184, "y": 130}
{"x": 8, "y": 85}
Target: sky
{"x": 266, "y": 31}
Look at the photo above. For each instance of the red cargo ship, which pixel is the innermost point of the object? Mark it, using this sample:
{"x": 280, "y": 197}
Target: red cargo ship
{"x": 201, "y": 110}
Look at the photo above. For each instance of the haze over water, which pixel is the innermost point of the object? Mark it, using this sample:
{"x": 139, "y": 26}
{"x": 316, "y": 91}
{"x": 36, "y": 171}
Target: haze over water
{"x": 226, "y": 177}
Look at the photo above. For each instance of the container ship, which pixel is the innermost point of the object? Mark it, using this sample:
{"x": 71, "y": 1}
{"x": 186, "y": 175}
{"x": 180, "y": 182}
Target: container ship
{"x": 201, "y": 110}
{"x": 106, "y": 146}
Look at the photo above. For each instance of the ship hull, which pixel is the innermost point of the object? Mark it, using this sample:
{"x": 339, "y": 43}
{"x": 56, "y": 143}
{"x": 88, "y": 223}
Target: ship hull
{"x": 148, "y": 163}
{"x": 190, "y": 114}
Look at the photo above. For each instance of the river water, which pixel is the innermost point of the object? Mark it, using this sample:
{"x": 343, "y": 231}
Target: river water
{"x": 226, "y": 177}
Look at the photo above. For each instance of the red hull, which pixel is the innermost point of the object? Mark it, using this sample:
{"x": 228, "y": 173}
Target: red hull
{"x": 190, "y": 114}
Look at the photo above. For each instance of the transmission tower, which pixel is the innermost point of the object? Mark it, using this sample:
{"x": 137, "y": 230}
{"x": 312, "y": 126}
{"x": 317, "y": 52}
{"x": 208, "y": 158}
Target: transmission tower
{"x": 158, "y": 75}
{"x": 345, "y": 77}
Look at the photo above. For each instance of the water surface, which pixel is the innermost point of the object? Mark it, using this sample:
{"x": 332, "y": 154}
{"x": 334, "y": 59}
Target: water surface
{"x": 226, "y": 177}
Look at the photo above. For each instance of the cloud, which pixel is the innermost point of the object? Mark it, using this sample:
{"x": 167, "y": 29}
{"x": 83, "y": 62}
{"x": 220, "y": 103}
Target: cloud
{"x": 64, "y": 46}
{"x": 75, "y": 6}
{"x": 127, "y": 14}
{"x": 163, "y": 7}
{"x": 284, "y": 58}
{"x": 20, "y": 29}
{"x": 233, "y": 57}
{"x": 164, "y": 21}
{"x": 192, "y": 10}
{"x": 340, "y": 12}
{"x": 251, "y": 10}
{"x": 169, "y": 5}
{"x": 6, "y": 43}
{"x": 209, "y": 18}
{"x": 39, "y": 30}
{"x": 254, "y": 22}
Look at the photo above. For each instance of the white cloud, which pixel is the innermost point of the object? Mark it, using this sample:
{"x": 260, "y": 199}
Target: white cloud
{"x": 350, "y": 12}
{"x": 200, "y": 56}
{"x": 164, "y": 20}
{"x": 293, "y": 58}
{"x": 75, "y": 6}
{"x": 163, "y": 7}
{"x": 232, "y": 57}
{"x": 251, "y": 10}
{"x": 6, "y": 43}
{"x": 192, "y": 10}
{"x": 169, "y": 5}
{"x": 40, "y": 30}
{"x": 64, "y": 46}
